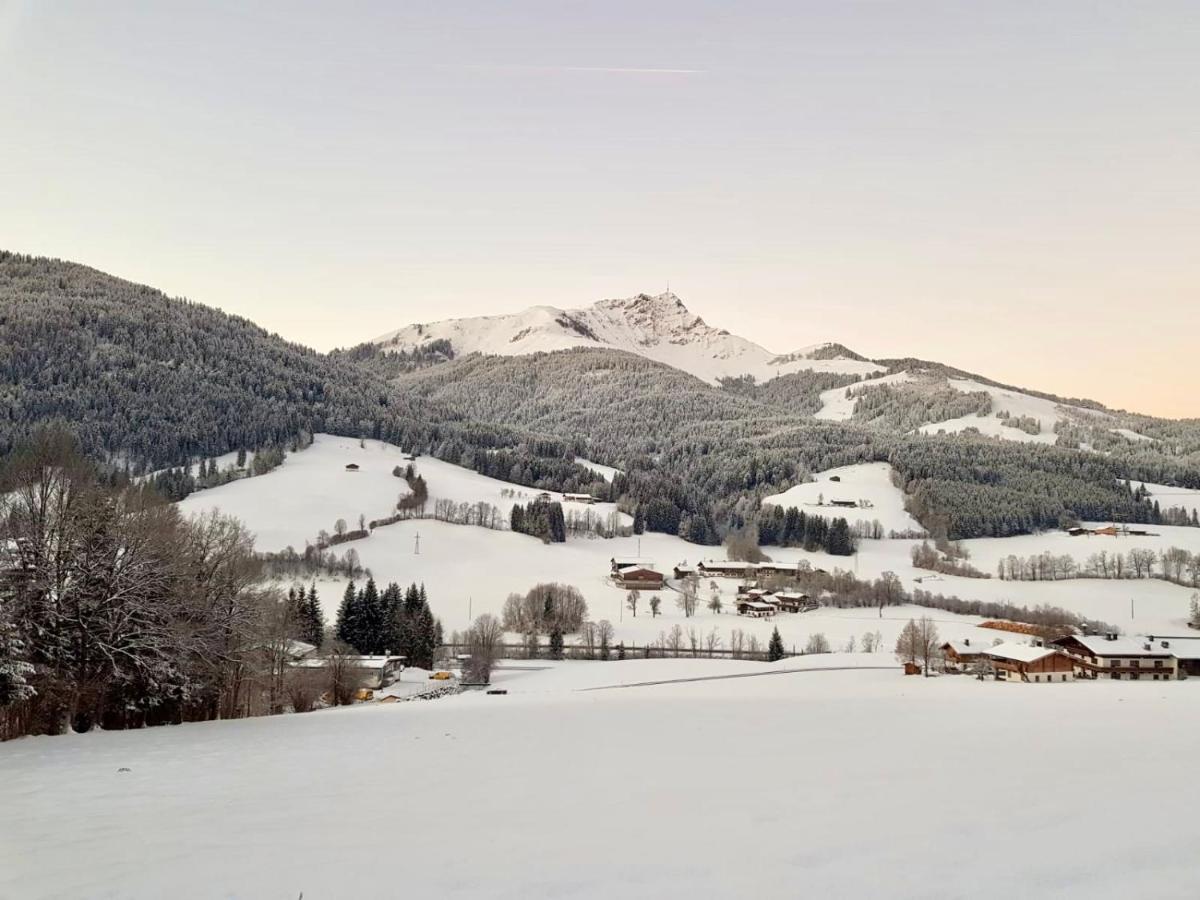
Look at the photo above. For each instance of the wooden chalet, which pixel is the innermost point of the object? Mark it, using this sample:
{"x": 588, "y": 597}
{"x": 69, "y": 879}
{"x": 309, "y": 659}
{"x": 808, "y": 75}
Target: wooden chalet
{"x": 579, "y": 498}
{"x": 1129, "y": 658}
{"x": 1028, "y": 663}
{"x": 845, "y": 504}
{"x": 641, "y": 578}
{"x": 958, "y": 656}
{"x": 755, "y": 609}
{"x": 795, "y": 602}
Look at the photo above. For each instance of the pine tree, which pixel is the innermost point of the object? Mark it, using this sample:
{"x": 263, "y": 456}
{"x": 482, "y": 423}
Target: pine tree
{"x": 14, "y": 669}
{"x": 347, "y": 617}
{"x": 775, "y": 647}
{"x": 314, "y": 618}
{"x": 371, "y": 627}
{"x": 556, "y": 643}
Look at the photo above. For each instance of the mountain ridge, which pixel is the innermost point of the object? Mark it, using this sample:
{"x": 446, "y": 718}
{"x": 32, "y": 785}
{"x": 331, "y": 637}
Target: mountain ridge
{"x": 658, "y": 327}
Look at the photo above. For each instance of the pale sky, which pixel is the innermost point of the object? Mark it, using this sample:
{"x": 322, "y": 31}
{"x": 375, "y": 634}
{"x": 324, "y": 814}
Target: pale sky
{"x": 1010, "y": 187}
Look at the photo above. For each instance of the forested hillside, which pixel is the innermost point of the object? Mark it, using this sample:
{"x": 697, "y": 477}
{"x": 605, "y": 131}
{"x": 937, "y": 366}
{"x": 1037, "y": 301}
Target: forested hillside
{"x": 713, "y": 453}
{"x": 152, "y": 380}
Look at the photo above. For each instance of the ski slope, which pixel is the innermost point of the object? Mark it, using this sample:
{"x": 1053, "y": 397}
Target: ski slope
{"x": 858, "y": 783}
{"x": 837, "y": 404}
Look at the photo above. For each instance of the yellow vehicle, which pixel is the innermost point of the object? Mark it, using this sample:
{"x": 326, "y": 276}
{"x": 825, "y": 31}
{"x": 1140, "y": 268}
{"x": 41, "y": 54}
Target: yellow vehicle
{"x": 364, "y": 694}
{"x": 440, "y": 676}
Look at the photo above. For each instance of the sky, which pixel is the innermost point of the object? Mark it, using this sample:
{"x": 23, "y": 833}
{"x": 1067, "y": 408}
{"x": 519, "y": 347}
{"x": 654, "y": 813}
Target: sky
{"x": 1009, "y": 187}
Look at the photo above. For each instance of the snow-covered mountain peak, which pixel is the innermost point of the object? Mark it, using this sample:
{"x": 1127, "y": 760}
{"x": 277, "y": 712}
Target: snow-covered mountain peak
{"x": 657, "y": 326}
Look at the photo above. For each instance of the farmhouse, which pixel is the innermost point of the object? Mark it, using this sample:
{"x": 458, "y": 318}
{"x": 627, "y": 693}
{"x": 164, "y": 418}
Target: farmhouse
{"x": 1120, "y": 658}
{"x": 578, "y": 498}
{"x": 638, "y": 578}
{"x": 725, "y": 568}
{"x": 847, "y": 504}
{"x": 374, "y": 671}
{"x": 957, "y": 656}
{"x": 1024, "y": 662}
{"x": 757, "y": 609}
{"x": 795, "y": 602}
{"x": 779, "y": 568}
{"x": 683, "y": 571}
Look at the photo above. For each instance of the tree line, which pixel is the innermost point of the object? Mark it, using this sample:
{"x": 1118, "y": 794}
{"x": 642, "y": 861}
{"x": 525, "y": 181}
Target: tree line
{"x": 395, "y": 620}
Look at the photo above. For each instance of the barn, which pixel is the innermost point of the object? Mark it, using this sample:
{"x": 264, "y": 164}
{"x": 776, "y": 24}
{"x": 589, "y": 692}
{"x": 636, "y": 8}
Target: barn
{"x": 639, "y": 578}
{"x": 1027, "y": 663}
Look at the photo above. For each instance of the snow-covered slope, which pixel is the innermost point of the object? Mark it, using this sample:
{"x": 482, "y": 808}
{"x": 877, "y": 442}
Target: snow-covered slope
{"x": 837, "y": 404}
{"x": 857, "y": 783}
{"x": 470, "y": 570}
{"x": 869, "y": 485}
{"x": 656, "y": 327}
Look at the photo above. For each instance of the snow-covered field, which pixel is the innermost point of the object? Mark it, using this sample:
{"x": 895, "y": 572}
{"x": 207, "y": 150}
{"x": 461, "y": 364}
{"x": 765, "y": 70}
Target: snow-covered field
{"x": 470, "y": 570}
{"x": 313, "y": 489}
{"x": 808, "y": 784}
{"x": 1168, "y": 496}
{"x": 868, "y": 482}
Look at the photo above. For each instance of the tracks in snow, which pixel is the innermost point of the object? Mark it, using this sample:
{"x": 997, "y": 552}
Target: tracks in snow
{"x": 637, "y": 684}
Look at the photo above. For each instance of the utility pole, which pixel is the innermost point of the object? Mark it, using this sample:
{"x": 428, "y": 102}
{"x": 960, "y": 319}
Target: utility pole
{"x": 417, "y": 545}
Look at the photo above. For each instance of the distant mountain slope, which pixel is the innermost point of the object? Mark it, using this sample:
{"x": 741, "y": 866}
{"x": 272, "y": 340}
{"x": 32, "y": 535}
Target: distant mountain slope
{"x": 659, "y": 328}
{"x": 714, "y": 451}
{"x": 151, "y": 380}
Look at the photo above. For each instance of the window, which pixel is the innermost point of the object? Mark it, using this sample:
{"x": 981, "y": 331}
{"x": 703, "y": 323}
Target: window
{"x": 1136, "y": 664}
{"x": 1158, "y": 664}
{"x": 1116, "y": 676}
{"x": 1114, "y": 662}
{"x": 1134, "y": 676}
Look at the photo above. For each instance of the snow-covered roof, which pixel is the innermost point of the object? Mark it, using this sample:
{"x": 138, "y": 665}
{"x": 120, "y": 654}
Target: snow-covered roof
{"x": 634, "y": 568}
{"x": 966, "y": 648}
{"x": 1025, "y": 653}
{"x": 757, "y": 605}
{"x": 356, "y": 662}
{"x": 1182, "y": 649}
{"x": 791, "y": 595}
{"x": 300, "y": 648}
{"x": 726, "y": 564}
{"x": 1099, "y": 645}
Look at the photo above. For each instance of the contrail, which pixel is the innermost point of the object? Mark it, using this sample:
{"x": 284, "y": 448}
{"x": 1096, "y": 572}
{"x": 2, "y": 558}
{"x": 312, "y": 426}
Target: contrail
{"x": 620, "y": 70}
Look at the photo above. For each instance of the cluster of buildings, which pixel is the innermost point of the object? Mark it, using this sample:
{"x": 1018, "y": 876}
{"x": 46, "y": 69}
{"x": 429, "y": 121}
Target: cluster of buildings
{"x": 1111, "y": 656}
{"x": 760, "y": 603}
